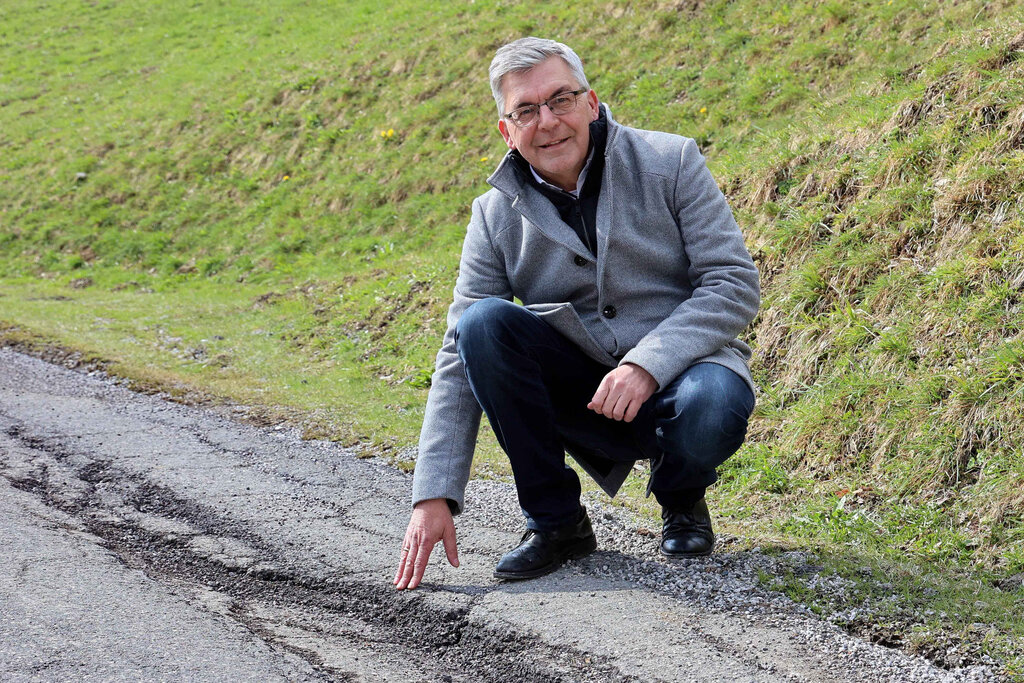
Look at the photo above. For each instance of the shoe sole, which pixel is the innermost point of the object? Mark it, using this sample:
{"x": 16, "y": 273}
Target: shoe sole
{"x": 574, "y": 554}
{"x": 686, "y": 555}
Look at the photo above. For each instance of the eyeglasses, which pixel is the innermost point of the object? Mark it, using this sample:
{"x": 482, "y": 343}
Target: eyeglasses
{"x": 560, "y": 104}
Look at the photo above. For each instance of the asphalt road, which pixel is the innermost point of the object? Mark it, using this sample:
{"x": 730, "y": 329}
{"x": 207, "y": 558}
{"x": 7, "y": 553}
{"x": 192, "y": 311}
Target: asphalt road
{"x": 146, "y": 540}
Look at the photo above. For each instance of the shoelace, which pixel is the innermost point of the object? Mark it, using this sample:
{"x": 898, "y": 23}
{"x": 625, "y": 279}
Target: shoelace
{"x": 526, "y": 535}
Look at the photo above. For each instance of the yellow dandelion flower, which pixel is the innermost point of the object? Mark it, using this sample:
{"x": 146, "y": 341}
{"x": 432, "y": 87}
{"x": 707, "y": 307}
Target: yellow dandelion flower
{"x": 286, "y": 177}
{"x": 391, "y": 131}
{"x": 383, "y": 133}
{"x": 484, "y": 158}
{"x": 703, "y": 110}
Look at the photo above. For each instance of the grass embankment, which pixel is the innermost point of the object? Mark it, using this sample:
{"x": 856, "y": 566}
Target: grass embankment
{"x": 267, "y": 205}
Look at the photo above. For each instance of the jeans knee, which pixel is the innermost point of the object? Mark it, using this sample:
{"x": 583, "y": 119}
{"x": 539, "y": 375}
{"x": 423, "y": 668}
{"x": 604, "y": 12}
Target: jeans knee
{"x": 481, "y": 323}
{"x": 706, "y": 418}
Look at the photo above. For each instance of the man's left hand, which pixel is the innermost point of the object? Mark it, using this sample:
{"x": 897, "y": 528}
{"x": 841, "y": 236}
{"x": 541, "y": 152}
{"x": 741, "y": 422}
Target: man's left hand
{"x": 622, "y": 392}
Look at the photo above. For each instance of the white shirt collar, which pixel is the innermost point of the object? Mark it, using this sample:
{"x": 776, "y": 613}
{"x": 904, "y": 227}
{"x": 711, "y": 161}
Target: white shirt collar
{"x": 579, "y": 181}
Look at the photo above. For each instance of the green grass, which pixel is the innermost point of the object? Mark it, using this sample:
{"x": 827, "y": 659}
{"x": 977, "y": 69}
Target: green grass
{"x": 202, "y": 196}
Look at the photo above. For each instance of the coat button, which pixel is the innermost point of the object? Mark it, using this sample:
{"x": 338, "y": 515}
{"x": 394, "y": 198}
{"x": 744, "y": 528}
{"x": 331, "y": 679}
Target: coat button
{"x": 579, "y": 260}
{"x": 608, "y": 312}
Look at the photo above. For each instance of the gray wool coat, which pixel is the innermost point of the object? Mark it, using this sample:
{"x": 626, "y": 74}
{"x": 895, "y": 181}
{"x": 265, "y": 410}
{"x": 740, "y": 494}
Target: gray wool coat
{"x": 670, "y": 259}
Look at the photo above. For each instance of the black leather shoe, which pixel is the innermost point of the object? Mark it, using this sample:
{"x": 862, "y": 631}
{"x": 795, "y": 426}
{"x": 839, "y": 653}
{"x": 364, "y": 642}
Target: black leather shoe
{"x": 542, "y": 552}
{"x": 687, "y": 533}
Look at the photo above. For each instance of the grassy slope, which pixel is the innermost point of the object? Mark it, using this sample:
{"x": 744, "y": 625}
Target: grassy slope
{"x": 242, "y": 226}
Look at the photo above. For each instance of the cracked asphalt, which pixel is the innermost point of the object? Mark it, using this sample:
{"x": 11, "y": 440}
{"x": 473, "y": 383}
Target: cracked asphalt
{"x": 143, "y": 539}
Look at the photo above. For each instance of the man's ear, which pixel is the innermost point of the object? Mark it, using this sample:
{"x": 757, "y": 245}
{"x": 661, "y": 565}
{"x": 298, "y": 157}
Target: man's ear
{"x": 595, "y": 106}
{"x": 503, "y": 127}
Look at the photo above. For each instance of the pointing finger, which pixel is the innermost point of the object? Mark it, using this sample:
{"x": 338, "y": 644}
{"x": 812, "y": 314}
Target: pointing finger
{"x": 401, "y": 561}
{"x": 420, "y": 566}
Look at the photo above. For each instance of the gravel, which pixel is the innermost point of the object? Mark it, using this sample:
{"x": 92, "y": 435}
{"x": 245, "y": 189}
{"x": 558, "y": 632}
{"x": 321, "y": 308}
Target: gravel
{"x": 725, "y": 582}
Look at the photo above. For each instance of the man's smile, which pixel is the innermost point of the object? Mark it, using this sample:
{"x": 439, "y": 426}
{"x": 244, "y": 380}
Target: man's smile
{"x": 549, "y": 145}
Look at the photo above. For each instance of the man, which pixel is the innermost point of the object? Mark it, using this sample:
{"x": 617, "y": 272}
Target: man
{"x": 635, "y": 284}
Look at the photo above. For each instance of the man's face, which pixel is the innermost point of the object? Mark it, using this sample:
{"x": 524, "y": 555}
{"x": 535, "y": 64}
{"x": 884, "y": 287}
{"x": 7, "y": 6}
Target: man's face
{"x": 556, "y": 146}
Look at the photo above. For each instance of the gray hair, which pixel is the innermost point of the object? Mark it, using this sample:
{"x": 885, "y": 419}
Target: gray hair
{"x": 523, "y": 55}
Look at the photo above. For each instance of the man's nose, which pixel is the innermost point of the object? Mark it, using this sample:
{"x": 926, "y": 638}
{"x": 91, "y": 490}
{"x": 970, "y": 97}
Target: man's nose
{"x": 546, "y": 117}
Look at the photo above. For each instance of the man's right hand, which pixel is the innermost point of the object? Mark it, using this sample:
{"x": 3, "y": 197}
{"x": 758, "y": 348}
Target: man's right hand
{"x": 431, "y": 522}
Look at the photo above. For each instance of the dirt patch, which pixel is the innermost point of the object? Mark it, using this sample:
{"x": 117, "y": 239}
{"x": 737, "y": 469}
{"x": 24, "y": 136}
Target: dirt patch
{"x": 17, "y": 339}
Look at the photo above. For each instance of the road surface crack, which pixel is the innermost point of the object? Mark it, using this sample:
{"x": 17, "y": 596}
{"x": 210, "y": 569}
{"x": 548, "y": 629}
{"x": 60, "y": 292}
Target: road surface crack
{"x": 441, "y": 640}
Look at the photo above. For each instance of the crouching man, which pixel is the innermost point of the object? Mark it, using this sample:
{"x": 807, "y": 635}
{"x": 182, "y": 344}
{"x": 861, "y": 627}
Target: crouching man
{"x": 635, "y": 283}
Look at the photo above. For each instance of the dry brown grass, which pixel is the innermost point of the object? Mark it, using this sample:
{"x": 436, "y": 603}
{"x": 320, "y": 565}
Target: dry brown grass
{"x": 842, "y": 360}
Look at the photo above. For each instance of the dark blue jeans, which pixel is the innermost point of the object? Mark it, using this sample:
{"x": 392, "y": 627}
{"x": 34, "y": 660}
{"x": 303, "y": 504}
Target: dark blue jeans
{"x": 534, "y": 386}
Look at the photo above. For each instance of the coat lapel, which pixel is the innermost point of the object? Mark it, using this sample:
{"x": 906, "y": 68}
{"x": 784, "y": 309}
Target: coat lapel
{"x": 605, "y": 206}
{"x": 606, "y": 200}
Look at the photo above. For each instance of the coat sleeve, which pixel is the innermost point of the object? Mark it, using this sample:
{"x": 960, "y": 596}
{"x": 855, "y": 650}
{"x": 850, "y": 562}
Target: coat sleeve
{"x": 726, "y": 289}
{"x": 452, "y": 416}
